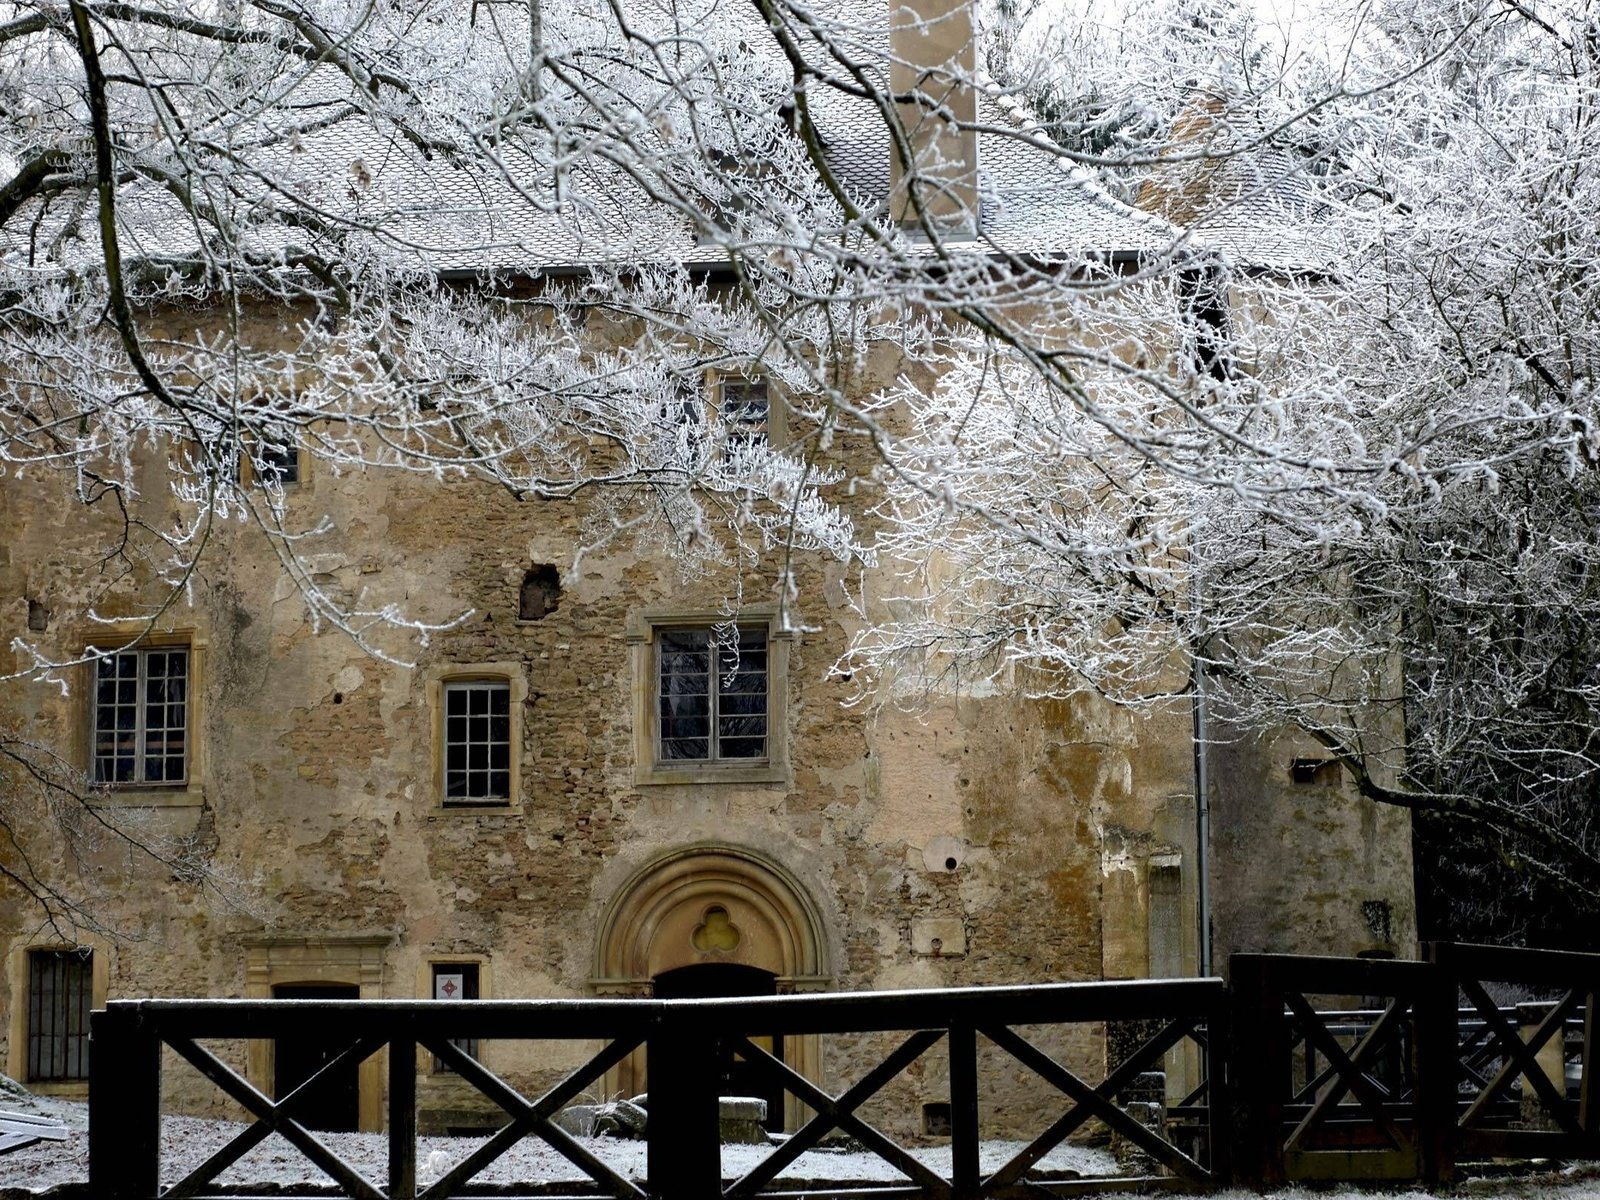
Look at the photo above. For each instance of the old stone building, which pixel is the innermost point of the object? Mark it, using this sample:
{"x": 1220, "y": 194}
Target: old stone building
{"x": 585, "y": 788}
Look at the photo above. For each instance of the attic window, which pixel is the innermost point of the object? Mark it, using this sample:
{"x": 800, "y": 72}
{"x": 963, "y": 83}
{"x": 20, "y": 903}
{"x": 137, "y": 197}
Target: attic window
{"x": 277, "y": 463}
{"x": 541, "y": 593}
{"x": 746, "y": 411}
{"x": 1314, "y": 770}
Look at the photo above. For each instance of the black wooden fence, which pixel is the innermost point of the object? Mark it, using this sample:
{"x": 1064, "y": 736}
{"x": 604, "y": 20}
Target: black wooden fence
{"x": 680, "y": 1038}
{"x": 1424, "y": 1082}
{"x": 1401, "y": 1086}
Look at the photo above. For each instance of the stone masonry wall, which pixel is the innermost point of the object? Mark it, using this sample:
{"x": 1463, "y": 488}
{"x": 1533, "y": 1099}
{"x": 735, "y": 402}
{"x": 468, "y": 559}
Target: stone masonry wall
{"x": 317, "y": 784}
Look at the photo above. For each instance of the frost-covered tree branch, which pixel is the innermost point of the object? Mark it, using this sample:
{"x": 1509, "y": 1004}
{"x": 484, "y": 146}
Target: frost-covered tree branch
{"x": 1320, "y": 426}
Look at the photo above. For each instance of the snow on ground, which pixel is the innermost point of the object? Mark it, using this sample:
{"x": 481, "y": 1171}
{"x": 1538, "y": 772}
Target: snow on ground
{"x": 188, "y": 1141}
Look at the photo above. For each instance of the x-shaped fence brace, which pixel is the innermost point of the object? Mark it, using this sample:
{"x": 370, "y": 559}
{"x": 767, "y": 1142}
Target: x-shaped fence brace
{"x": 1391, "y": 1035}
{"x": 1521, "y": 1058}
{"x": 527, "y": 1117}
{"x": 1347, "y": 1073}
{"x": 1094, "y": 1102}
{"x": 1475, "y": 1054}
{"x": 531, "y": 1117}
{"x": 839, "y": 1112}
{"x": 272, "y": 1117}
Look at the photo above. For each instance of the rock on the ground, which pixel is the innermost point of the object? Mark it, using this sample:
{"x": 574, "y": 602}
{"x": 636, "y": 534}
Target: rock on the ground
{"x": 577, "y": 1119}
{"x": 740, "y": 1120}
{"x": 620, "y": 1118}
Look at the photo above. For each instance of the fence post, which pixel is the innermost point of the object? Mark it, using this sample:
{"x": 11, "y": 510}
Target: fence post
{"x": 962, "y": 1041}
{"x": 1220, "y": 1113}
{"x": 403, "y": 1119}
{"x": 1259, "y": 1057}
{"x": 1437, "y": 1021}
{"x": 124, "y": 1105}
{"x": 683, "y": 1134}
{"x": 1589, "y": 1078}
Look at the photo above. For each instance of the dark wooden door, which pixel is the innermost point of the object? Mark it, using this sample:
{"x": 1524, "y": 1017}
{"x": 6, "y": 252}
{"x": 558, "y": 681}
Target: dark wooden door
{"x": 335, "y": 1103}
{"x": 707, "y": 980}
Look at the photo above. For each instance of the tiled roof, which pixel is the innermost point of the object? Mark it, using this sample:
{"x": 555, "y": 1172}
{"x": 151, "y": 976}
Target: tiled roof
{"x": 448, "y": 217}
{"x": 1248, "y": 201}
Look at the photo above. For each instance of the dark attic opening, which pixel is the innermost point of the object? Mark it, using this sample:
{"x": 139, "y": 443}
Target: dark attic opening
{"x": 541, "y": 593}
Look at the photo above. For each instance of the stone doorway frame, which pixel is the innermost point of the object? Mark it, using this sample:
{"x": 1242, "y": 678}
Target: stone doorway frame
{"x": 645, "y": 930}
{"x": 270, "y": 960}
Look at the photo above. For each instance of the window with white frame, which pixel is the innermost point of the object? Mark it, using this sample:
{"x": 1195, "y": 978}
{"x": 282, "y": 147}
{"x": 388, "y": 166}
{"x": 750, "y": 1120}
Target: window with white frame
{"x": 60, "y": 995}
{"x": 141, "y": 716}
{"x": 477, "y": 741}
{"x": 711, "y": 694}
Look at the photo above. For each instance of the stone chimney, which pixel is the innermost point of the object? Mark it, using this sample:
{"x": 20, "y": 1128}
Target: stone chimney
{"x": 934, "y": 57}
{"x": 1185, "y": 190}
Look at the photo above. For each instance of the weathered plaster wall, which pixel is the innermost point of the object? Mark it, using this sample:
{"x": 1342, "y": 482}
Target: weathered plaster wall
{"x": 317, "y": 790}
{"x": 1305, "y": 867}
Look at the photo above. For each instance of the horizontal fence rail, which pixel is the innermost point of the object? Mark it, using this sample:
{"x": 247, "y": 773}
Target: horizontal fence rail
{"x": 1309, "y": 1068}
{"x": 682, "y": 1041}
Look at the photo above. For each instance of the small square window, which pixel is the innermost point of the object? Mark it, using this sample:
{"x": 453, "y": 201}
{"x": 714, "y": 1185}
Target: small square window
{"x": 477, "y": 742}
{"x": 141, "y": 717}
{"x": 681, "y": 426}
{"x": 456, "y": 981}
{"x": 746, "y": 411}
{"x": 60, "y": 995}
{"x": 711, "y": 695}
{"x": 277, "y": 463}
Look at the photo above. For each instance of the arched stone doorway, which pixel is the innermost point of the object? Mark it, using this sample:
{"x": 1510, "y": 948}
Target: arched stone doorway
{"x": 705, "y": 914}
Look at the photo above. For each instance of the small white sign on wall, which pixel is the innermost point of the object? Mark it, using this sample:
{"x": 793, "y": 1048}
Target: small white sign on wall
{"x": 450, "y": 986}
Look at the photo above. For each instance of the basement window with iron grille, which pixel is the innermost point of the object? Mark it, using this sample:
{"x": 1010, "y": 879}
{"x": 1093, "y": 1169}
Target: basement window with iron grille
{"x": 141, "y": 717}
{"x": 60, "y": 995}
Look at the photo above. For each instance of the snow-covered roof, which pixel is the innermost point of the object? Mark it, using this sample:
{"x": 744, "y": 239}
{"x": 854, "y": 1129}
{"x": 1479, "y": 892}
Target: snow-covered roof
{"x": 456, "y": 215}
{"x": 1265, "y": 210}
{"x": 1030, "y": 202}
{"x": 1245, "y": 199}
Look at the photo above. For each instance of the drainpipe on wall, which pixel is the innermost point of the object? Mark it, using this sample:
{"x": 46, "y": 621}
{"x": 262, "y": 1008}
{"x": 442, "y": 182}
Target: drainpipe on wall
{"x": 1202, "y": 810}
{"x": 1203, "y": 296}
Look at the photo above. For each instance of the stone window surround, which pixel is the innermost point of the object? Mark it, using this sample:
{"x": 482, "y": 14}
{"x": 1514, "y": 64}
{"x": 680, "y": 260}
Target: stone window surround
{"x": 17, "y": 1026}
{"x": 777, "y": 411}
{"x": 349, "y": 959}
{"x": 648, "y": 769}
{"x": 434, "y": 678}
{"x": 246, "y": 475}
{"x": 427, "y": 1077}
{"x": 138, "y": 635}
